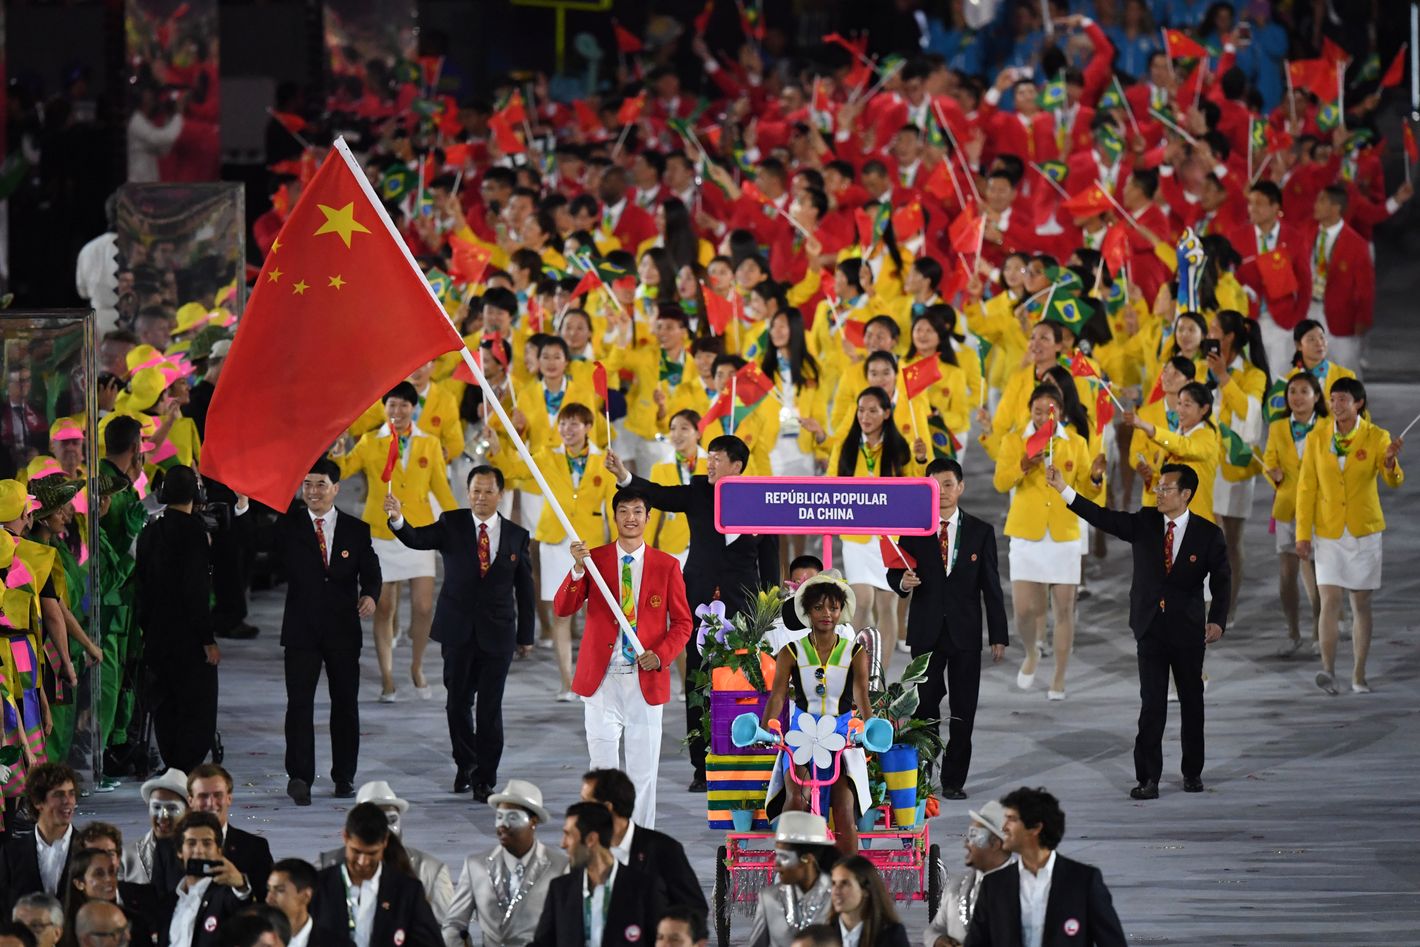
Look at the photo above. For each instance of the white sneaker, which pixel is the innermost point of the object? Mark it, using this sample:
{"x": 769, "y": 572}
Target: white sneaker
{"x": 424, "y": 693}
{"x": 387, "y": 697}
{"x": 566, "y": 697}
{"x": 547, "y": 644}
{"x": 1316, "y": 649}
{"x": 1288, "y": 648}
{"x": 902, "y": 648}
{"x": 1054, "y": 695}
{"x": 1024, "y": 680}
{"x": 1357, "y": 687}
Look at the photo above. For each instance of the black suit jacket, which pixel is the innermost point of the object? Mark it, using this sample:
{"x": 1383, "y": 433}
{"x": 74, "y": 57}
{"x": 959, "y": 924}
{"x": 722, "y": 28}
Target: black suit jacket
{"x": 19, "y": 869}
{"x": 955, "y": 599}
{"x": 321, "y": 603}
{"x": 1078, "y": 902}
{"x": 140, "y": 905}
{"x": 714, "y": 568}
{"x": 635, "y": 909}
{"x": 1174, "y": 597}
{"x": 250, "y": 853}
{"x": 497, "y": 610}
{"x": 403, "y": 917}
{"x": 219, "y": 902}
{"x": 174, "y": 572}
{"x": 659, "y": 856}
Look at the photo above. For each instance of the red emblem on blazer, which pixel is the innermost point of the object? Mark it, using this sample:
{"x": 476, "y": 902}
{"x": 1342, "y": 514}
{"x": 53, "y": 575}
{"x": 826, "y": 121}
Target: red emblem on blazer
{"x": 1361, "y": 454}
{"x": 209, "y": 925}
{"x": 436, "y": 421}
{"x": 633, "y": 933}
{"x": 596, "y": 481}
{"x": 424, "y": 461}
{"x": 1072, "y": 927}
{"x": 399, "y": 937}
{"x": 1342, "y": 266}
{"x": 655, "y": 601}
{"x": 973, "y": 557}
{"x": 1069, "y": 465}
{"x": 345, "y": 553}
{"x": 1192, "y": 558}
{"x": 513, "y": 557}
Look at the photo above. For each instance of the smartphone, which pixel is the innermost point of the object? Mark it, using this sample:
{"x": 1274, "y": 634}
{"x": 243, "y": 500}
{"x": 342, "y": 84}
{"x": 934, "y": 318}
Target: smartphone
{"x": 1212, "y": 347}
{"x": 197, "y": 867}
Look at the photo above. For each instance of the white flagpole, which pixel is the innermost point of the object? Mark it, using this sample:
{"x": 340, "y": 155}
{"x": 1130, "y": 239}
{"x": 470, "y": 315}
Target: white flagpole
{"x": 612, "y": 601}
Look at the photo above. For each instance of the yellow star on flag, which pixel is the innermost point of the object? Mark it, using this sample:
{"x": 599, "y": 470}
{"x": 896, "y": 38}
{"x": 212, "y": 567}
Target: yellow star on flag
{"x": 275, "y": 275}
{"x": 299, "y": 288}
{"x": 340, "y": 222}
{"x": 336, "y": 282}
{"x": 276, "y": 245}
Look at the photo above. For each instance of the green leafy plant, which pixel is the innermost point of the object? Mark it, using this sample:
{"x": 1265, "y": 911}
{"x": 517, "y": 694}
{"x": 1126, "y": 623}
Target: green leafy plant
{"x": 734, "y": 642}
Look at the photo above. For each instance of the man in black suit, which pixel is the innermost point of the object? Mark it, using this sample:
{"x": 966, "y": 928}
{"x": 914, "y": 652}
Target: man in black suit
{"x": 209, "y": 789}
{"x": 485, "y": 613}
{"x": 656, "y": 854}
{"x": 1174, "y": 551}
{"x": 956, "y": 573}
{"x": 39, "y": 860}
{"x": 1043, "y": 897}
{"x": 192, "y": 911}
{"x": 718, "y": 566}
{"x": 625, "y": 904}
{"x": 379, "y": 905}
{"x": 332, "y": 582}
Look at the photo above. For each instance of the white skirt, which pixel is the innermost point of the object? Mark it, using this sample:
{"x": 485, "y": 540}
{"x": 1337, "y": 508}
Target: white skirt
{"x": 398, "y": 562}
{"x": 1047, "y": 561}
{"x": 1349, "y": 562}
{"x": 863, "y": 564}
{"x": 1286, "y": 536}
{"x": 530, "y": 509}
{"x": 554, "y": 562}
{"x": 1232, "y": 499}
{"x": 787, "y": 460}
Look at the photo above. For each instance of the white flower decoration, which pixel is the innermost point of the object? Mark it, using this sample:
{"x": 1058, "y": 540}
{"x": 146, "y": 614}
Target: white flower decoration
{"x": 817, "y": 739}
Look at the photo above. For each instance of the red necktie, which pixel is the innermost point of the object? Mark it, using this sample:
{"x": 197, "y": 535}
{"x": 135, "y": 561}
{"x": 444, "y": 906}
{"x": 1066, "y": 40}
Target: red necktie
{"x": 1168, "y": 547}
{"x": 484, "y": 557}
{"x": 944, "y": 538}
{"x": 320, "y": 538}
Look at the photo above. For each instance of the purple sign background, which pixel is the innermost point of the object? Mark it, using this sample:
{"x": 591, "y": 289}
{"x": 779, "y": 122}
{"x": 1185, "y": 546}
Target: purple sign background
{"x": 864, "y": 506}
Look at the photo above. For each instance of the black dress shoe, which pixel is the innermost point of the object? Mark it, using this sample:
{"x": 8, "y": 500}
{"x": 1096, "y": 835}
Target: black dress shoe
{"x": 1148, "y": 789}
{"x": 345, "y": 790}
{"x": 481, "y": 792}
{"x": 463, "y": 782}
{"x": 698, "y": 784}
{"x": 1192, "y": 784}
{"x": 299, "y": 791}
{"x": 952, "y": 792}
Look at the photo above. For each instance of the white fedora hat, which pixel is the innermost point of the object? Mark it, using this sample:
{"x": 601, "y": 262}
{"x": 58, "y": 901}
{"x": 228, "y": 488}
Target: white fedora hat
{"x": 379, "y": 792}
{"x": 174, "y": 780}
{"x": 520, "y": 792}
{"x": 830, "y": 577}
{"x": 993, "y": 817}
{"x": 802, "y": 828}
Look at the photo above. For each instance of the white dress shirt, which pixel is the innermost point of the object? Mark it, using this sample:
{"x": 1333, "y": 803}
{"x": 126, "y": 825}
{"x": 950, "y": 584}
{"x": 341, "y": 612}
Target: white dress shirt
{"x": 849, "y": 935}
{"x": 302, "y": 936}
{"x": 185, "y": 914}
{"x": 361, "y": 899}
{"x": 622, "y": 852}
{"x": 327, "y": 524}
{"x": 1035, "y": 894}
{"x": 599, "y": 897}
{"x": 51, "y": 859}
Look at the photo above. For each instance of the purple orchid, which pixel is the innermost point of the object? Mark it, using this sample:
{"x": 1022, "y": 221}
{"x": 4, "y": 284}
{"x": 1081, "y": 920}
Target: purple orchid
{"x": 712, "y": 621}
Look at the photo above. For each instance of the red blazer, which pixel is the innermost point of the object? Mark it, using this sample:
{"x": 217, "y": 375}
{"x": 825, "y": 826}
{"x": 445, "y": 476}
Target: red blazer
{"x": 1286, "y": 311}
{"x": 1350, "y": 297}
{"x": 634, "y": 227}
{"x": 662, "y": 620}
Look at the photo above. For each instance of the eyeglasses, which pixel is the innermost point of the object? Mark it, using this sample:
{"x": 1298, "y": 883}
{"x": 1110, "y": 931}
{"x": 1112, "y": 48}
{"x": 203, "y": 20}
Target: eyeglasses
{"x": 1165, "y": 488}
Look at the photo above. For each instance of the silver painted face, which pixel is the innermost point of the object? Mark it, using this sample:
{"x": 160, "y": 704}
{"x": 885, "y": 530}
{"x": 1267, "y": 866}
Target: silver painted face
{"x": 514, "y": 819}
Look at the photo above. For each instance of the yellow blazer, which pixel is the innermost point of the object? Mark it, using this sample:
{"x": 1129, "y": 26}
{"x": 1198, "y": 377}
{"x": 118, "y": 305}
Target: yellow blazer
{"x": 670, "y": 532}
{"x": 704, "y": 249}
{"x": 437, "y": 416}
{"x": 644, "y": 363}
{"x": 1284, "y": 454}
{"x": 1013, "y": 406}
{"x": 1240, "y": 408}
{"x": 811, "y": 400}
{"x": 860, "y": 469}
{"x": 541, "y": 433}
{"x": 1333, "y": 372}
{"x": 1200, "y": 449}
{"x": 996, "y": 322}
{"x": 825, "y": 344}
{"x": 419, "y": 473}
{"x": 587, "y": 504}
{"x": 1156, "y": 413}
{"x": 1331, "y": 500}
{"x": 950, "y": 396}
{"x": 1035, "y": 506}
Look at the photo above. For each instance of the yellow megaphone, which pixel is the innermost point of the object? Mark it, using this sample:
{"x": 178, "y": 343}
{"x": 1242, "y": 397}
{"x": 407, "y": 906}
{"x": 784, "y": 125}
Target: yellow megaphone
{"x": 875, "y": 735}
{"x": 746, "y": 731}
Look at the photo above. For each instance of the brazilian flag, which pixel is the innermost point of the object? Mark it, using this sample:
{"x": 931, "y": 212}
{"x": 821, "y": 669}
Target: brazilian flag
{"x": 1053, "y": 95}
{"x": 1274, "y": 403}
{"x": 935, "y": 136}
{"x": 1235, "y": 449}
{"x": 407, "y": 72}
{"x": 1370, "y": 70}
{"x": 1056, "y": 171}
{"x": 1259, "y": 135}
{"x": 944, "y": 444}
{"x": 439, "y": 281}
{"x": 1329, "y": 117}
{"x": 1068, "y": 311}
{"x": 398, "y": 182}
{"x": 1109, "y": 99}
{"x": 1065, "y": 280}
{"x": 1109, "y": 143}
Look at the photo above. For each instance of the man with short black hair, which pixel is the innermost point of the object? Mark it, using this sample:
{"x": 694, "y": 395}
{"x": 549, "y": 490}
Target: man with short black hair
{"x": 659, "y": 855}
{"x": 682, "y": 927}
{"x": 39, "y": 860}
{"x": 719, "y": 566}
{"x": 379, "y": 908}
{"x": 484, "y": 616}
{"x": 1014, "y": 902}
{"x": 1174, "y": 552}
{"x": 332, "y": 583}
{"x": 955, "y": 579}
{"x": 599, "y": 900}
{"x": 626, "y": 682}
{"x": 212, "y": 889}
{"x": 290, "y": 888}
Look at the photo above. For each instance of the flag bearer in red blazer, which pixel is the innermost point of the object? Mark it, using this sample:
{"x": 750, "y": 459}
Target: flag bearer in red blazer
{"x": 624, "y": 695}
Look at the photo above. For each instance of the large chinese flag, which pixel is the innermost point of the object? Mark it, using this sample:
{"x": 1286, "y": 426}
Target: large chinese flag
{"x": 340, "y": 315}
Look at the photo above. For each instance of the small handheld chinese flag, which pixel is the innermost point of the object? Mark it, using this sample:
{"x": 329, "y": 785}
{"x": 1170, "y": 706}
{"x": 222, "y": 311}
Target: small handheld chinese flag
{"x": 630, "y": 109}
{"x": 751, "y": 384}
{"x": 588, "y": 283}
{"x": 1087, "y": 203}
{"x": 1104, "y": 410}
{"x": 1182, "y": 46}
{"x": 1038, "y": 441}
{"x": 853, "y": 331}
{"x": 1115, "y": 248}
{"x": 599, "y": 380}
{"x": 921, "y": 375}
{"x": 719, "y": 311}
{"x": 939, "y": 182}
{"x": 965, "y": 232}
{"x": 893, "y": 556}
{"x": 1080, "y": 366}
{"x": 626, "y": 41}
{"x": 1396, "y": 72}
{"x": 469, "y": 260}
{"x": 388, "y": 473}
{"x": 507, "y": 140}
{"x": 1277, "y": 276}
{"x": 907, "y": 222}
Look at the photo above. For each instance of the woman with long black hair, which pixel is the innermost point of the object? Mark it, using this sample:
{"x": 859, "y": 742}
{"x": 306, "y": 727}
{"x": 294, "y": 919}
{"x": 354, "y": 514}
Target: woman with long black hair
{"x": 872, "y": 446}
{"x": 802, "y": 397}
{"x": 657, "y": 273}
{"x": 1286, "y": 442}
{"x": 934, "y": 337}
{"x": 677, "y": 235}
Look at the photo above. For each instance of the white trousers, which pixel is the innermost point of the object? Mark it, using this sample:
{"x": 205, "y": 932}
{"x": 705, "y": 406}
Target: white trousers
{"x": 1279, "y": 344}
{"x": 1343, "y": 350}
{"x": 616, "y": 715}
